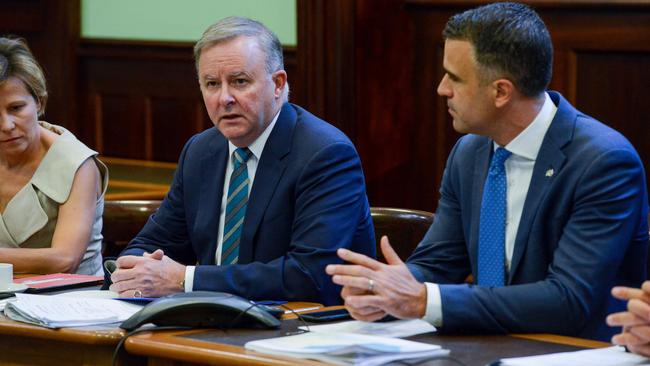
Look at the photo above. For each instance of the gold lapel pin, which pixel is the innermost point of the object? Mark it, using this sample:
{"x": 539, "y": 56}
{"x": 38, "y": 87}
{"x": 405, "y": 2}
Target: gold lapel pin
{"x": 550, "y": 172}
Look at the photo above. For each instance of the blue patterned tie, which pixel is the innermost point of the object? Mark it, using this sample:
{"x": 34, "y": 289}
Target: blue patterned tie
{"x": 236, "y": 207}
{"x": 492, "y": 227}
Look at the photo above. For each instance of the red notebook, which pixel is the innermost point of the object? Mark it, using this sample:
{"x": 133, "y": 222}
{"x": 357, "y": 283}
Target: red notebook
{"x": 58, "y": 282}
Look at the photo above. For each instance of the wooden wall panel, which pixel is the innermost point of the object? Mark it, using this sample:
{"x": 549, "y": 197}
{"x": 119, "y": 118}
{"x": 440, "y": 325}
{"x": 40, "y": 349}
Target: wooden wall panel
{"x": 121, "y": 137}
{"x": 142, "y": 99}
{"x": 388, "y": 136}
{"x": 51, "y": 28}
{"x": 400, "y": 126}
{"x": 600, "y": 64}
{"x": 174, "y": 117}
{"x": 613, "y": 87}
{"x": 369, "y": 67}
{"x": 325, "y": 61}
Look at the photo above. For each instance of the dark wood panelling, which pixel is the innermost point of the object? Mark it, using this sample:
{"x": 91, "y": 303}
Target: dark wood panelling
{"x": 593, "y": 42}
{"x": 51, "y": 28}
{"x": 142, "y": 98}
{"x": 613, "y": 86}
{"x": 401, "y": 127}
{"x": 147, "y": 90}
{"x": 370, "y": 67}
{"x": 394, "y": 145}
{"x": 174, "y": 117}
{"x": 325, "y": 61}
{"x": 121, "y": 136}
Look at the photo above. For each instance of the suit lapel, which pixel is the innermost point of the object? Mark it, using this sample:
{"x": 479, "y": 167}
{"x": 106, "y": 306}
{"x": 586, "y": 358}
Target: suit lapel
{"x": 548, "y": 165}
{"x": 482, "y": 163}
{"x": 269, "y": 171}
{"x": 213, "y": 169}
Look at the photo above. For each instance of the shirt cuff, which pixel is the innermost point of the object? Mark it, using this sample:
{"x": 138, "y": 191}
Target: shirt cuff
{"x": 189, "y": 278}
{"x": 433, "y": 313}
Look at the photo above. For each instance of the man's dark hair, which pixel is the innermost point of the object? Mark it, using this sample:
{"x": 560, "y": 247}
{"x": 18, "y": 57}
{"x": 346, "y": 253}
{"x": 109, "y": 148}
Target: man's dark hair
{"x": 510, "y": 40}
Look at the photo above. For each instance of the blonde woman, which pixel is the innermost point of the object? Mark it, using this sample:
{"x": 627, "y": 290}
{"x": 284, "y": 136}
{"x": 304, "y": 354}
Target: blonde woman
{"x": 51, "y": 185}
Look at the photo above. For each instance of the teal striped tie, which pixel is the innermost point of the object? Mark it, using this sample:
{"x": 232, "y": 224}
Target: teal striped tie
{"x": 235, "y": 207}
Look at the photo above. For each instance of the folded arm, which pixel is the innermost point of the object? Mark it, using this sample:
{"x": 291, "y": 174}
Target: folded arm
{"x": 71, "y": 234}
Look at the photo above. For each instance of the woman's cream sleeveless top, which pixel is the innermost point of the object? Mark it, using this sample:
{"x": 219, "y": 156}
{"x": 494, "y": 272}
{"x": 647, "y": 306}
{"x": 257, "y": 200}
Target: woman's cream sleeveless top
{"x": 30, "y": 217}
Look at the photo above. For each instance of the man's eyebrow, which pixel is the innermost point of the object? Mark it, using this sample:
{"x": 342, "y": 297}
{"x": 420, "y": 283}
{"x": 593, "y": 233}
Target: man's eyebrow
{"x": 452, "y": 76}
{"x": 238, "y": 74}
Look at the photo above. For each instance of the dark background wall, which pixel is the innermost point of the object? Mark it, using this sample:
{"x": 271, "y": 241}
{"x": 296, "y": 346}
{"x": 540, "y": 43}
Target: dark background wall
{"x": 370, "y": 67}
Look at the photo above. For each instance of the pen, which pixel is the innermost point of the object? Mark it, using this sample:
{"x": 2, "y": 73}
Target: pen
{"x": 269, "y": 302}
{"x": 301, "y": 310}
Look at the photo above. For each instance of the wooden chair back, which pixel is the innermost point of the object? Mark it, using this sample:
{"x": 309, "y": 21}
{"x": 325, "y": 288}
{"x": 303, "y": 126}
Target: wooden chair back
{"x": 404, "y": 228}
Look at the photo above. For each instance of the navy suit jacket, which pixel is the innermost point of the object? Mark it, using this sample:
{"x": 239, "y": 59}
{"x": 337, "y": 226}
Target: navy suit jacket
{"x": 307, "y": 200}
{"x": 583, "y": 230}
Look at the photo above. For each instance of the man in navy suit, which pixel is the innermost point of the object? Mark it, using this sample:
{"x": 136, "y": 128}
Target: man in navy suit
{"x": 260, "y": 204}
{"x": 545, "y": 206}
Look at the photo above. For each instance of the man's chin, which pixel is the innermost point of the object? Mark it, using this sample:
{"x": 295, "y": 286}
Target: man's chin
{"x": 459, "y": 126}
{"x": 238, "y": 137}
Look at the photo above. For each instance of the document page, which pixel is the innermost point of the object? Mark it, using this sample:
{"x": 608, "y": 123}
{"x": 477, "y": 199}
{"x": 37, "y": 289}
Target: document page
{"x": 347, "y": 348}
{"x": 610, "y": 356}
{"x": 63, "y": 311}
{"x": 396, "y": 329}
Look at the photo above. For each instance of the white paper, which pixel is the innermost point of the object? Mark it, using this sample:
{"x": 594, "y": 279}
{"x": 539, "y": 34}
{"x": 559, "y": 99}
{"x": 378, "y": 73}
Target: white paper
{"x": 610, "y": 356}
{"x": 397, "y": 329}
{"x": 66, "y": 311}
{"x": 346, "y": 348}
{"x": 95, "y": 294}
{"x": 4, "y": 302}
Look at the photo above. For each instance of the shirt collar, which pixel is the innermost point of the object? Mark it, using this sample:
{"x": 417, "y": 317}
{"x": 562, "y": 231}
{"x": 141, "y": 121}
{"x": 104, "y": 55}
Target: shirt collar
{"x": 258, "y": 145}
{"x": 529, "y": 141}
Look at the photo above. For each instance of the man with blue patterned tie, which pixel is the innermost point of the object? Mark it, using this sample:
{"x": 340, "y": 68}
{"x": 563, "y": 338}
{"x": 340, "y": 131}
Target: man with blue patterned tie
{"x": 545, "y": 206}
{"x": 260, "y": 203}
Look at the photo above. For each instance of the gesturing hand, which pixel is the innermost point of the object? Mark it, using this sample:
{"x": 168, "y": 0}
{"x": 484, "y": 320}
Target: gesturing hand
{"x": 372, "y": 289}
{"x": 635, "y": 321}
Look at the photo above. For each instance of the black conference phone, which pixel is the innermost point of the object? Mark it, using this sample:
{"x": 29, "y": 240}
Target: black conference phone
{"x": 205, "y": 309}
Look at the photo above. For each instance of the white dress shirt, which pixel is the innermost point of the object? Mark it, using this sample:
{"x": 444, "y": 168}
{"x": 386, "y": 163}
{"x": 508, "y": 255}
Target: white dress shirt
{"x": 519, "y": 171}
{"x": 257, "y": 147}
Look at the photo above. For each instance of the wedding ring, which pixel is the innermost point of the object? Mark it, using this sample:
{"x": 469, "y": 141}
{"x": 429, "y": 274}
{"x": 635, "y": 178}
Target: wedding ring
{"x": 371, "y": 285}
{"x": 137, "y": 293}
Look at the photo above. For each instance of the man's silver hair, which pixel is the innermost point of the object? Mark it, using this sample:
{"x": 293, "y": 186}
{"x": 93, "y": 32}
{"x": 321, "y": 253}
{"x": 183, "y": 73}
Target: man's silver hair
{"x": 230, "y": 28}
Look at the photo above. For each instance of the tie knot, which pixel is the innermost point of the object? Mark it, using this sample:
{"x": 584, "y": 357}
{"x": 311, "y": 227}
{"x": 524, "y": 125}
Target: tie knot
{"x": 242, "y": 155}
{"x": 500, "y": 156}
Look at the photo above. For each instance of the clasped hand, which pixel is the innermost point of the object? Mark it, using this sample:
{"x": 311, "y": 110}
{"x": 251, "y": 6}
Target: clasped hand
{"x": 152, "y": 275}
{"x": 372, "y": 289}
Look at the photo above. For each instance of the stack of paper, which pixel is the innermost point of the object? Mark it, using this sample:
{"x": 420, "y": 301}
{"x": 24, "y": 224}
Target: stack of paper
{"x": 347, "y": 348}
{"x": 65, "y": 311}
{"x": 397, "y": 328}
{"x": 610, "y": 356}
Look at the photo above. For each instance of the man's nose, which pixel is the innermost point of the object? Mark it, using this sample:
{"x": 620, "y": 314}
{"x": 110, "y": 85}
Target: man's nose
{"x": 226, "y": 98}
{"x": 443, "y": 87}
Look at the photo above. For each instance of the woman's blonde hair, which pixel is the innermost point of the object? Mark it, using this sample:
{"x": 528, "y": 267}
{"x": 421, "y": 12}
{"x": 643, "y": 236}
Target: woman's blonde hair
{"x": 16, "y": 60}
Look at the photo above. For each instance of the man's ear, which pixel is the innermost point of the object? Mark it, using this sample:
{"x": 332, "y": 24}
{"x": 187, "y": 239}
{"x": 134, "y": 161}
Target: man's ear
{"x": 504, "y": 90}
{"x": 280, "y": 80}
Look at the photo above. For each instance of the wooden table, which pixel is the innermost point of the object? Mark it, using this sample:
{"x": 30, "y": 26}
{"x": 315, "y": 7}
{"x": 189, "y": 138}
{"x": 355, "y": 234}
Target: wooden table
{"x": 25, "y": 344}
{"x": 214, "y": 347}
